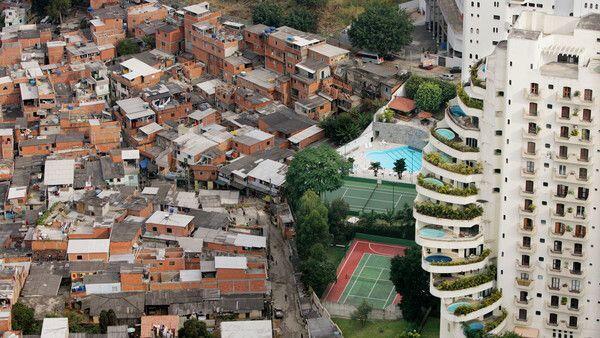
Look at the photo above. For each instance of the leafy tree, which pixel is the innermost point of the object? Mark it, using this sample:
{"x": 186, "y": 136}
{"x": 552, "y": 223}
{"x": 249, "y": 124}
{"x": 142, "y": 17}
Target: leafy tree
{"x": 337, "y": 214}
{"x": 317, "y": 272}
{"x": 302, "y": 19}
{"x": 429, "y": 97}
{"x": 318, "y": 169}
{"x": 410, "y": 334}
{"x": 381, "y": 28}
{"x": 268, "y": 13}
{"x": 362, "y": 312}
{"x": 149, "y": 41}
{"x": 412, "y": 283}
{"x": 312, "y": 223}
{"x": 127, "y": 46}
{"x": 107, "y": 318}
{"x": 375, "y": 166}
{"x": 412, "y": 85}
{"x": 56, "y": 9}
{"x": 400, "y": 167}
{"x": 23, "y": 319}
{"x": 193, "y": 328}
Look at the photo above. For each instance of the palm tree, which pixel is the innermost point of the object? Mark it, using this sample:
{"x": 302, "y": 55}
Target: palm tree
{"x": 375, "y": 166}
{"x": 400, "y": 167}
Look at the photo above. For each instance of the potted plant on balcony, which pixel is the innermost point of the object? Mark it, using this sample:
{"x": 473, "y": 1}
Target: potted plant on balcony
{"x": 577, "y": 93}
{"x": 531, "y": 208}
{"x": 563, "y": 301}
{"x": 570, "y": 210}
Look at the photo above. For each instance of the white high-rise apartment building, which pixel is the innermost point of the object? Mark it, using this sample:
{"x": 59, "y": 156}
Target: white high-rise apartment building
{"x": 468, "y": 30}
{"x": 508, "y": 205}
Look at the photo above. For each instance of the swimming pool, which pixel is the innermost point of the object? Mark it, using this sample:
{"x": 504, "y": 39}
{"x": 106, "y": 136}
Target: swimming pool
{"x": 432, "y": 233}
{"x": 446, "y": 133}
{"x": 476, "y": 326}
{"x": 386, "y": 158}
{"x": 452, "y": 307}
{"x": 438, "y": 259}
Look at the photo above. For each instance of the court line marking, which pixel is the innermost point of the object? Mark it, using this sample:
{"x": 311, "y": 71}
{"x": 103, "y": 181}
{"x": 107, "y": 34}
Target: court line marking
{"x": 373, "y": 286}
{"x": 359, "y": 273}
{"x": 345, "y": 191}
{"x": 388, "y": 297}
{"x": 379, "y": 299}
{"x": 342, "y": 267}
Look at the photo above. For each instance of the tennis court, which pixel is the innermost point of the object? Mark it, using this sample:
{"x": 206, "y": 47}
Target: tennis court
{"x": 370, "y": 282}
{"x": 364, "y": 275}
{"x": 364, "y": 195}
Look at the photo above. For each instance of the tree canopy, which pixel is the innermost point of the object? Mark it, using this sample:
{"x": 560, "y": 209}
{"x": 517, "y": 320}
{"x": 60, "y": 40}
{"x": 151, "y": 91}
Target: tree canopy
{"x": 127, "y": 46}
{"x": 412, "y": 282}
{"x": 193, "y": 328}
{"x": 429, "y": 97}
{"x": 400, "y": 166}
{"x": 362, "y": 312}
{"x": 302, "y": 19}
{"x": 23, "y": 319}
{"x": 318, "y": 169}
{"x": 337, "y": 214}
{"x": 382, "y": 28}
{"x": 317, "y": 271}
{"x": 312, "y": 226}
{"x": 268, "y": 13}
{"x": 107, "y": 318}
{"x": 56, "y": 9}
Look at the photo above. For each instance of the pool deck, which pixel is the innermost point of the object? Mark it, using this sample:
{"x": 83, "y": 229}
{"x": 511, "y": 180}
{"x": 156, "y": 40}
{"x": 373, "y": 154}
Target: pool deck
{"x": 362, "y": 163}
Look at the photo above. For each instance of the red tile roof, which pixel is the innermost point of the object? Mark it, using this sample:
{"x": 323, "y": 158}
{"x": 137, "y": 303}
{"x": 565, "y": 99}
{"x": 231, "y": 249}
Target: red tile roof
{"x": 402, "y": 104}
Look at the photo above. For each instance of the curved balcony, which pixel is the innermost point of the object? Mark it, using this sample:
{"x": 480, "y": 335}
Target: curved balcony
{"x": 448, "y": 198}
{"x": 447, "y": 262}
{"x": 524, "y": 284}
{"x": 456, "y": 153}
{"x": 436, "y": 214}
{"x": 450, "y": 313}
{"x": 433, "y": 162}
{"x": 464, "y": 125}
{"x": 466, "y": 109}
{"x": 460, "y": 292}
{"x": 528, "y": 303}
{"x": 431, "y": 237}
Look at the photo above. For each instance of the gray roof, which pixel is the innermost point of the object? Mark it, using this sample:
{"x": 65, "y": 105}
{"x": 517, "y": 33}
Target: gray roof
{"x": 124, "y": 232}
{"x": 286, "y": 121}
{"x": 249, "y": 162}
{"x": 590, "y": 22}
{"x": 110, "y": 169}
{"x": 126, "y": 305}
{"x": 210, "y": 219}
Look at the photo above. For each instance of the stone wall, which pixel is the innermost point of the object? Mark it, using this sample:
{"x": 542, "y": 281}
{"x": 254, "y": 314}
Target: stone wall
{"x": 401, "y": 134}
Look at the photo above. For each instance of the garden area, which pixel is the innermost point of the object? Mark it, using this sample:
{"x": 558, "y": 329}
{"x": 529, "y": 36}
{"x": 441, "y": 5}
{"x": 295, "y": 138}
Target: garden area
{"x": 384, "y": 329}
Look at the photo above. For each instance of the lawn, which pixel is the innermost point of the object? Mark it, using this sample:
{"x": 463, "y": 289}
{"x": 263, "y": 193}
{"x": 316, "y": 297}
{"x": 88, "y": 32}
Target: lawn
{"x": 384, "y": 329}
{"x": 335, "y": 254}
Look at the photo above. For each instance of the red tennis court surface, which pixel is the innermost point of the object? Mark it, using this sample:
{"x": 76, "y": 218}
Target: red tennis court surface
{"x": 352, "y": 286}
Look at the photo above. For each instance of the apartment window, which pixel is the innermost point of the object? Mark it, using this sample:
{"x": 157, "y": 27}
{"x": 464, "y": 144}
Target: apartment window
{"x": 534, "y": 89}
{"x": 554, "y": 301}
{"x": 531, "y": 147}
{"x": 563, "y": 151}
{"x": 522, "y": 314}
{"x": 555, "y": 283}
{"x": 572, "y": 321}
{"x": 557, "y": 248}
{"x": 587, "y": 95}
{"x": 556, "y": 264}
{"x": 79, "y": 257}
{"x": 583, "y": 174}
{"x": 533, "y": 109}
{"x": 574, "y": 303}
{"x": 169, "y": 230}
{"x": 565, "y": 112}
{"x": 530, "y": 165}
{"x": 553, "y": 319}
{"x": 154, "y": 229}
{"x": 587, "y": 115}
{"x": 575, "y": 285}
{"x": 562, "y": 170}
{"x": 584, "y": 154}
{"x": 567, "y": 92}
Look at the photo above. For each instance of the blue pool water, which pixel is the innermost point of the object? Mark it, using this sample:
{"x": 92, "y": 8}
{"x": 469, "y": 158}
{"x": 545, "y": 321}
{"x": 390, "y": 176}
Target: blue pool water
{"x": 387, "y": 157}
{"x": 438, "y": 258}
{"x": 453, "y": 307}
{"x": 446, "y": 133}
{"x": 432, "y": 233}
{"x": 476, "y": 326}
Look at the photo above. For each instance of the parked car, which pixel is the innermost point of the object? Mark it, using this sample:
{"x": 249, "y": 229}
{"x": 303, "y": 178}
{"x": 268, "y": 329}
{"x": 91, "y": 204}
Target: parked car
{"x": 426, "y": 67}
{"x": 454, "y": 70}
{"x": 447, "y": 77}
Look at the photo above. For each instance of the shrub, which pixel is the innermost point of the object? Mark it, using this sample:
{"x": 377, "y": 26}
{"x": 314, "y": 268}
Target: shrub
{"x": 473, "y": 72}
{"x": 414, "y": 81}
{"x": 489, "y": 326}
{"x": 468, "y": 282}
{"x": 446, "y": 189}
{"x": 467, "y": 100}
{"x": 470, "y": 211}
{"x": 462, "y": 168}
{"x": 485, "y": 302}
{"x": 429, "y": 97}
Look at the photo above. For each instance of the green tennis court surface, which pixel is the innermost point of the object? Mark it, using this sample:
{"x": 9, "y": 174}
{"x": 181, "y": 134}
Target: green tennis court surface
{"x": 370, "y": 282}
{"x": 364, "y": 195}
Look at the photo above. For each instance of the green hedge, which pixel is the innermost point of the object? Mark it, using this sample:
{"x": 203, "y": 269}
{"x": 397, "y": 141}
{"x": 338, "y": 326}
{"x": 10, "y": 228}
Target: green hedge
{"x": 387, "y": 231}
{"x": 467, "y": 100}
{"x": 468, "y": 282}
{"x": 446, "y": 189}
{"x": 485, "y": 302}
{"x": 385, "y": 240}
{"x": 470, "y": 211}
{"x": 462, "y": 168}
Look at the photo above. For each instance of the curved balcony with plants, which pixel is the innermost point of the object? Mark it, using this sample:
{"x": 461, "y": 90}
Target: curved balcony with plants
{"x": 455, "y": 143}
{"x": 461, "y": 171}
{"x": 446, "y": 262}
{"x": 467, "y": 100}
{"x": 449, "y": 238}
{"x": 470, "y": 309}
{"x": 436, "y": 210}
{"x": 458, "y": 286}
{"x": 439, "y": 190}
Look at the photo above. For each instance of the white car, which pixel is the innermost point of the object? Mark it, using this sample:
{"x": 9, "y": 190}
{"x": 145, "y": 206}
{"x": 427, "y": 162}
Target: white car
{"x": 448, "y": 77}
